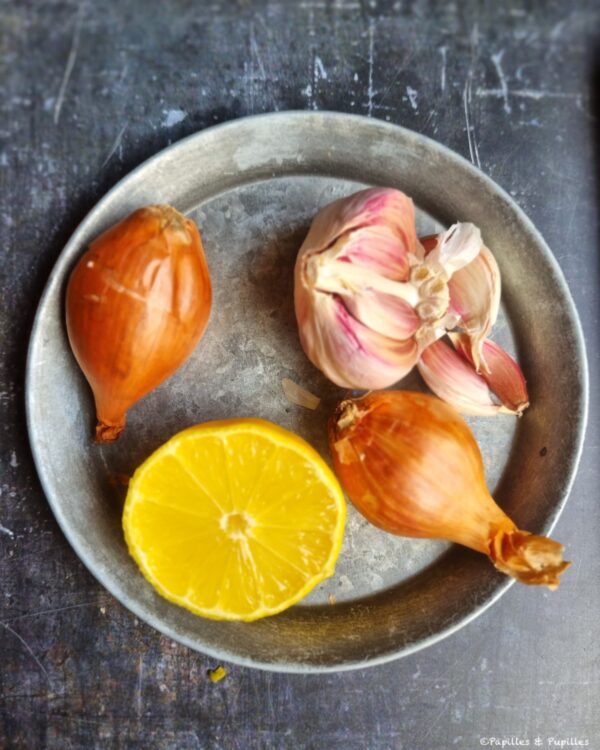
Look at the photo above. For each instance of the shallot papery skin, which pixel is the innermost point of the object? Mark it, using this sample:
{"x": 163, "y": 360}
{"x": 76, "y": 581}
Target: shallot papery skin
{"x": 137, "y": 303}
{"x": 411, "y": 465}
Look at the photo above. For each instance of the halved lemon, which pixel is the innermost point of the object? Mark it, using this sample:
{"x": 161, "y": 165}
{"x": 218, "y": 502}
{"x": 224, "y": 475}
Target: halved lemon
{"x": 235, "y": 520}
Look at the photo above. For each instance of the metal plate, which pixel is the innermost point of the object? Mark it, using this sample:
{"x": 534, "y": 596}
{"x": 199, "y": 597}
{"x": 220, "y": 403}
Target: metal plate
{"x": 253, "y": 186}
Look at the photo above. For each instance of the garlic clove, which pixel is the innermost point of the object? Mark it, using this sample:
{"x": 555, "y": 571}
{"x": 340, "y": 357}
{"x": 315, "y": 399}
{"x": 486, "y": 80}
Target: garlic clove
{"x": 350, "y": 354}
{"x": 367, "y": 208}
{"x": 362, "y": 269}
{"x": 375, "y": 248}
{"x": 502, "y": 374}
{"x": 383, "y": 313}
{"x": 475, "y": 298}
{"x": 452, "y": 377}
{"x": 474, "y": 286}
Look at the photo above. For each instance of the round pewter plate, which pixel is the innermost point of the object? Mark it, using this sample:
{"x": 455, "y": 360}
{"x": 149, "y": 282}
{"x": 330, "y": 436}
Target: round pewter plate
{"x": 253, "y": 186}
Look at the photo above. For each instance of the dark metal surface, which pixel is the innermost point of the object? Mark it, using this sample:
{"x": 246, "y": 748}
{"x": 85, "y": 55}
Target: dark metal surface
{"x": 88, "y": 91}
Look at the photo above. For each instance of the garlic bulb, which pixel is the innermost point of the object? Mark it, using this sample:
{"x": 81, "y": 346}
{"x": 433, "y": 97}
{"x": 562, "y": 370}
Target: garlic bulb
{"x": 370, "y": 297}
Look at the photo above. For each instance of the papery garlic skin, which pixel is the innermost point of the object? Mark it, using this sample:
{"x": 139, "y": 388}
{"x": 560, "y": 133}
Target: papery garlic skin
{"x": 367, "y": 299}
{"x": 474, "y": 291}
{"x": 411, "y": 466}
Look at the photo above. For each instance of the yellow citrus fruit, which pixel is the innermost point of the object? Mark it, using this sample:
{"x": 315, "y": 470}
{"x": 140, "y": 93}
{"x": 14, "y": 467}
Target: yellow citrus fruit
{"x": 235, "y": 520}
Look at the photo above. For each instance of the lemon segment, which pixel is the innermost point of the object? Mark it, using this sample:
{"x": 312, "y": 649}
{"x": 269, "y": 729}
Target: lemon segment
{"x": 235, "y": 520}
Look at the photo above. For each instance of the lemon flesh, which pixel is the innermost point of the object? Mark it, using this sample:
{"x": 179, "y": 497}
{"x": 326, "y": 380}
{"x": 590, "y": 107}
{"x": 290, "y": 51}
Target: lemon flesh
{"x": 234, "y": 520}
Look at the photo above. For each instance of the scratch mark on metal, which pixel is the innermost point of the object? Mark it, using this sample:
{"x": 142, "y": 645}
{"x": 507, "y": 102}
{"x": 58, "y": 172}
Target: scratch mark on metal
{"x": 70, "y": 64}
{"x": 436, "y": 720}
{"x": 370, "y": 90}
{"x": 318, "y": 73}
{"x": 248, "y": 81}
{"x": 320, "y": 68}
{"x": 403, "y": 66}
{"x": 444, "y": 54}
{"x": 558, "y": 29}
{"x": 527, "y": 94}
{"x": 412, "y": 97}
{"x": 428, "y": 120}
{"x": 473, "y": 151}
{"x": 467, "y": 97}
{"x": 310, "y": 91}
{"x": 256, "y": 53}
{"x": 28, "y": 649}
{"x": 311, "y": 18}
{"x": 139, "y": 703}
{"x": 123, "y": 73}
{"x": 115, "y": 145}
{"x": 54, "y": 610}
{"x": 577, "y": 572}
{"x": 497, "y": 60}
{"x": 8, "y": 532}
{"x": 315, "y": 81}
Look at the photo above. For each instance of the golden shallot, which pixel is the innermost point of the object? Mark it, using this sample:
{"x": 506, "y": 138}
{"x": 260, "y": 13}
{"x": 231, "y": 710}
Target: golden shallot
{"x": 138, "y": 302}
{"x": 411, "y": 465}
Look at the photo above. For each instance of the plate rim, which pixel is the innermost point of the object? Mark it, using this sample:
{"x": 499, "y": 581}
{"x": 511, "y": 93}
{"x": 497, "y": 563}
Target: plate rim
{"x": 74, "y": 240}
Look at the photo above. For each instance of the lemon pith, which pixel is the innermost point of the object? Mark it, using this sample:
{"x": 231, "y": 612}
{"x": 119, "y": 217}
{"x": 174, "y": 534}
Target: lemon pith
{"x": 235, "y": 520}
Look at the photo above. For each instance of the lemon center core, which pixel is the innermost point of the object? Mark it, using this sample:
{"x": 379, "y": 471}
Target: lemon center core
{"x": 236, "y": 525}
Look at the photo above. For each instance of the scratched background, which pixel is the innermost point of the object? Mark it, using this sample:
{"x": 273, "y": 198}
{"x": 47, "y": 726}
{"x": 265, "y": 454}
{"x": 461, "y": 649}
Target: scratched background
{"x": 88, "y": 91}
